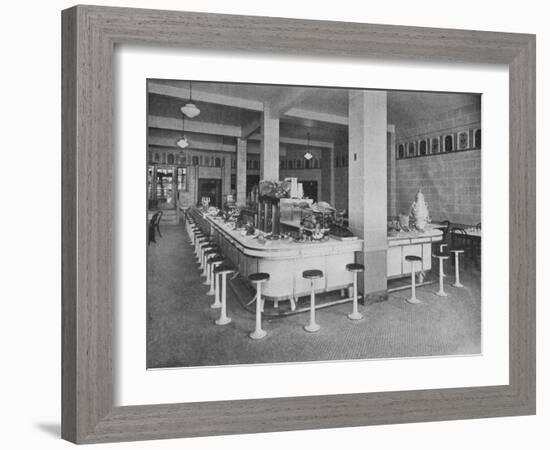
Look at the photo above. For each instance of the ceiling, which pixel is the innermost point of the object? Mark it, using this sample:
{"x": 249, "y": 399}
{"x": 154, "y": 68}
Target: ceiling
{"x": 321, "y": 112}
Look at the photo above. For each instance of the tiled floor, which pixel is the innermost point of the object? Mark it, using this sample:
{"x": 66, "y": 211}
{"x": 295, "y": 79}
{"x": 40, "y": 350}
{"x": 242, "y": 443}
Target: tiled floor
{"x": 181, "y": 330}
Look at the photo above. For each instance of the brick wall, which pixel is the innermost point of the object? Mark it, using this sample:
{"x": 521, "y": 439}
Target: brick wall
{"x": 451, "y": 182}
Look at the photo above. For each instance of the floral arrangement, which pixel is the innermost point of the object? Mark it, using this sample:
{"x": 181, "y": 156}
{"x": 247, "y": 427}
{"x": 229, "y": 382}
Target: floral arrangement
{"x": 419, "y": 211}
{"x": 274, "y": 189}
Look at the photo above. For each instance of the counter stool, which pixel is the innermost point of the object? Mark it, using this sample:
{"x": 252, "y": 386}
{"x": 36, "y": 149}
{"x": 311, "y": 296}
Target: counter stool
{"x": 210, "y": 253}
{"x": 223, "y": 270}
{"x": 206, "y": 250}
{"x": 442, "y": 267}
{"x": 215, "y": 262}
{"x": 442, "y": 257}
{"x": 413, "y": 259}
{"x": 199, "y": 239}
{"x": 355, "y": 269}
{"x": 192, "y": 229}
{"x": 457, "y": 253}
{"x": 258, "y": 279}
{"x": 312, "y": 275}
{"x": 205, "y": 245}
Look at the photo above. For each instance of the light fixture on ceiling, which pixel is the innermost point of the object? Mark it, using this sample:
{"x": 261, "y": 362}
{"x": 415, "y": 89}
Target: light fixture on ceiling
{"x": 190, "y": 110}
{"x": 308, "y": 154}
{"x": 182, "y": 142}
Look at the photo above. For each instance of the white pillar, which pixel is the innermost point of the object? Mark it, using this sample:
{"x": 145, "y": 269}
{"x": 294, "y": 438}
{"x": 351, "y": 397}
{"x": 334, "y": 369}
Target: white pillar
{"x": 241, "y": 172}
{"x": 269, "y": 148}
{"x": 367, "y": 185}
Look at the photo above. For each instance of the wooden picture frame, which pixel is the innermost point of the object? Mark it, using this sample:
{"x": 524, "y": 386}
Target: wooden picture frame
{"x": 89, "y": 37}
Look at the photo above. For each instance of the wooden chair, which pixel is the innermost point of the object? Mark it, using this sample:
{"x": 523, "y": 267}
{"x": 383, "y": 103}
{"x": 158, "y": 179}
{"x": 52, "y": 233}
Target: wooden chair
{"x": 154, "y": 226}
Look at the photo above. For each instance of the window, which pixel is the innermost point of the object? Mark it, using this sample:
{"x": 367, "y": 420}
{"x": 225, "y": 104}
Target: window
{"x": 401, "y": 151}
{"x": 290, "y": 164}
{"x": 477, "y": 139}
{"x": 182, "y": 178}
{"x": 298, "y": 164}
{"x": 411, "y": 149}
{"x": 282, "y": 164}
{"x": 195, "y": 160}
{"x": 463, "y": 140}
{"x": 449, "y": 143}
{"x": 218, "y": 162}
{"x": 170, "y": 159}
{"x": 157, "y": 157}
{"x": 256, "y": 164}
{"x": 307, "y": 164}
{"x": 316, "y": 164}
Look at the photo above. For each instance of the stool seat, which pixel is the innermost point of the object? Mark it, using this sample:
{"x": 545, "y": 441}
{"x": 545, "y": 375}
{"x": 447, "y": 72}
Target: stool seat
{"x": 441, "y": 255}
{"x": 312, "y": 274}
{"x": 259, "y": 277}
{"x": 224, "y": 268}
{"x": 413, "y": 258}
{"x": 216, "y": 259}
{"x": 353, "y": 267}
{"x": 456, "y": 251}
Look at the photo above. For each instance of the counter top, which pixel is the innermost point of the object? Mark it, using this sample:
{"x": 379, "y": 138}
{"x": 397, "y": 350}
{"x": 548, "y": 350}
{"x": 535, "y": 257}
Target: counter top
{"x": 431, "y": 233}
{"x": 283, "y": 247}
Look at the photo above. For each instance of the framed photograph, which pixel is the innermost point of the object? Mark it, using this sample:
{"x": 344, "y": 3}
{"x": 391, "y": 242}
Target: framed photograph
{"x": 257, "y": 238}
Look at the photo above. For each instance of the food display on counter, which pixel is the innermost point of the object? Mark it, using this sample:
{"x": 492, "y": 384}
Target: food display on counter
{"x": 274, "y": 189}
{"x": 320, "y": 220}
{"x": 419, "y": 212}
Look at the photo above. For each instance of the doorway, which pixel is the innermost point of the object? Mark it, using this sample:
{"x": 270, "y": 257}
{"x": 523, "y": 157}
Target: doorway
{"x": 310, "y": 189}
{"x": 161, "y": 190}
{"x": 211, "y": 188}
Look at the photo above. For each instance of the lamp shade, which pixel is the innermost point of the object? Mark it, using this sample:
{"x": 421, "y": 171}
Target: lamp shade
{"x": 190, "y": 110}
{"x": 182, "y": 142}
{"x": 308, "y": 156}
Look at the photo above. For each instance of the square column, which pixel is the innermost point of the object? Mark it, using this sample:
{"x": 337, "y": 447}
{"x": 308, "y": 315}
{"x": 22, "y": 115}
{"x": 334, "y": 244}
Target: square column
{"x": 241, "y": 172}
{"x": 392, "y": 183}
{"x": 226, "y": 177}
{"x": 269, "y": 148}
{"x": 367, "y": 187}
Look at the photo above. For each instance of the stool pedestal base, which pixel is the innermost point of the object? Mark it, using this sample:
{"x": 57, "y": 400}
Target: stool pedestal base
{"x": 414, "y": 301}
{"x": 223, "y": 321}
{"x": 312, "y": 327}
{"x": 355, "y": 316}
{"x": 258, "y": 334}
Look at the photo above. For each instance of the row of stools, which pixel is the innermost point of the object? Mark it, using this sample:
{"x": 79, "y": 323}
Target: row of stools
{"x": 441, "y": 256}
{"x": 213, "y": 267}
{"x": 215, "y": 270}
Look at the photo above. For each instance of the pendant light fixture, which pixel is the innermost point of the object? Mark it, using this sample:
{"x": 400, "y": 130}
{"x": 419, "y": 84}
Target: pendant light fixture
{"x": 182, "y": 142}
{"x": 308, "y": 154}
{"x": 190, "y": 110}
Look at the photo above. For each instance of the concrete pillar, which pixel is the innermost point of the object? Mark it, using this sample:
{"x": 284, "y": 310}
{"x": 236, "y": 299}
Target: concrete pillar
{"x": 226, "y": 177}
{"x": 327, "y": 175}
{"x": 241, "y": 172}
{"x": 367, "y": 187}
{"x": 269, "y": 148}
{"x": 392, "y": 182}
{"x": 331, "y": 178}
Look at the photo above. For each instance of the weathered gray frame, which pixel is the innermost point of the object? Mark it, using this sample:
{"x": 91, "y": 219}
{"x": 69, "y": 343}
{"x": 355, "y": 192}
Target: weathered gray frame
{"x": 89, "y": 36}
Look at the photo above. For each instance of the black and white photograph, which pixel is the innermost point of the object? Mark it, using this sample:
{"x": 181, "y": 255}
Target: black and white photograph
{"x": 293, "y": 224}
